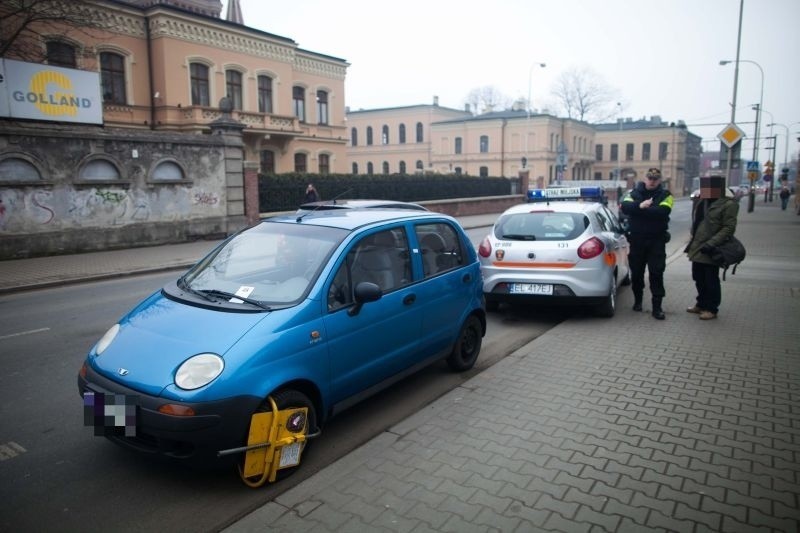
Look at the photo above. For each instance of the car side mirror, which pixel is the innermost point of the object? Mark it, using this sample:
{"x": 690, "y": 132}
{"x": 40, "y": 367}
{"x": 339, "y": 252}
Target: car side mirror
{"x": 365, "y": 292}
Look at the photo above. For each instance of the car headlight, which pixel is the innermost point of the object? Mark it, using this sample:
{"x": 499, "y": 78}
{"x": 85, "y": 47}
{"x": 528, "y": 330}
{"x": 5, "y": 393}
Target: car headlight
{"x": 198, "y": 371}
{"x": 106, "y": 340}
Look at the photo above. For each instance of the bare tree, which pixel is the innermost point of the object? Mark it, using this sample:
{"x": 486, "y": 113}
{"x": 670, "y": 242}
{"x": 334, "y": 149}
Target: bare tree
{"x": 582, "y": 94}
{"x": 24, "y": 24}
{"x": 487, "y": 98}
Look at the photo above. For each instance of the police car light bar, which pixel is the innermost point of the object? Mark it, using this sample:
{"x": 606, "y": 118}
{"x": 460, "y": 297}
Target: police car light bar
{"x": 592, "y": 194}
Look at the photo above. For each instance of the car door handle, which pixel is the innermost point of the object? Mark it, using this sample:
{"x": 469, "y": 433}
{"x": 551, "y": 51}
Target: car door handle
{"x": 409, "y": 299}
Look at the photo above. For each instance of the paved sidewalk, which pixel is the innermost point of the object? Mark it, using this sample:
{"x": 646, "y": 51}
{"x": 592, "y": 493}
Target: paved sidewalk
{"x": 628, "y": 424}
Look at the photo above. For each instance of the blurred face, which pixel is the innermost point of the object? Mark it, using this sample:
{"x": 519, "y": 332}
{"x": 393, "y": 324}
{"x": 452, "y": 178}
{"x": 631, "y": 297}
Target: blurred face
{"x": 651, "y": 182}
{"x": 712, "y": 187}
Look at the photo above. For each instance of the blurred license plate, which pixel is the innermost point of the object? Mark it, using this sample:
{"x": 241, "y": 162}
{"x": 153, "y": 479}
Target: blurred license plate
{"x": 532, "y": 288}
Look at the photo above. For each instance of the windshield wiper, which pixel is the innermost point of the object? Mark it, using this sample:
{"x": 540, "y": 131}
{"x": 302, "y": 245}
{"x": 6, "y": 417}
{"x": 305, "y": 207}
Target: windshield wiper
{"x": 519, "y": 237}
{"x": 182, "y": 285}
{"x": 231, "y": 296}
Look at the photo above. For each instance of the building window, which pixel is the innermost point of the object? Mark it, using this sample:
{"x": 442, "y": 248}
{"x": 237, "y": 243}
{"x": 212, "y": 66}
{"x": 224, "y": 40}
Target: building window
{"x": 354, "y": 136}
{"x": 355, "y": 168}
{"x": 267, "y": 162}
{"x": 168, "y": 171}
{"x": 385, "y": 167}
{"x": 199, "y": 81}
{"x": 322, "y": 107}
{"x": 112, "y": 78}
{"x": 300, "y": 163}
{"x": 614, "y": 152}
{"x": 99, "y": 170}
{"x": 370, "y": 170}
{"x": 662, "y": 151}
{"x": 598, "y": 152}
{"x": 484, "y": 144}
{"x": 324, "y": 164}
{"x": 484, "y": 172}
{"x": 61, "y": 54}
{"x": 299, "y": 103}
{"x": 645, "y": 151}
{"x": 458, "y": 171}
{"x": 629, "y": 152}
{"x": 402, "y": 134}
{"x": 264, "y": 94}
{"x": 402, "y": 167}
{"x": 369, "y": 135}
{"x": 419, "y": 132}
{"x": 419, "y": 165}
{"x": 17, "y": 169}
{"x": 598, "y": 176}
{"x": 233, "y": 88}
{"x": 458, "y": 145}
{"x": 385, "y": 134}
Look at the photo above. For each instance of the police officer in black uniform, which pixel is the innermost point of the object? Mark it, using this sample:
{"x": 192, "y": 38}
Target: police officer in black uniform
{"x": 648, "y": 207}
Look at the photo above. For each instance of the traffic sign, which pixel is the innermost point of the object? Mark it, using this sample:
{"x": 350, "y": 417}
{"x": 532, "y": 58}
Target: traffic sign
{"x": 731, "y": 134}
{"x": 753, "y": 166}
{"x": 752, "y": 175}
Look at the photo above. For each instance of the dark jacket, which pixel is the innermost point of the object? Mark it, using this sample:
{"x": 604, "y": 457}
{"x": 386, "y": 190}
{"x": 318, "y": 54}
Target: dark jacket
{"x": 652, "y": 222}
{"x": 717, "y": 225}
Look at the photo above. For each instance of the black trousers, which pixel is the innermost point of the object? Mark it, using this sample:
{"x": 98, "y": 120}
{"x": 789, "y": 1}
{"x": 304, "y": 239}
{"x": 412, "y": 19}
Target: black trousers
{"x": 650, "y": 253}
{"x": 709, "y": 290}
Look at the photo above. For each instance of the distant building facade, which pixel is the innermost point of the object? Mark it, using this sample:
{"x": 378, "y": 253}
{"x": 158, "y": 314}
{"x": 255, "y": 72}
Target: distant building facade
{"x": 549, "y": 149}
{"x": 192, "y": 108}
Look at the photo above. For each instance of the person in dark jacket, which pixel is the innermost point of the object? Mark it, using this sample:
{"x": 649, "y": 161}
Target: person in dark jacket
{"x": 648, "y": 207}
{"x": 714, "y": 217}
{"x": 311, "y": 194}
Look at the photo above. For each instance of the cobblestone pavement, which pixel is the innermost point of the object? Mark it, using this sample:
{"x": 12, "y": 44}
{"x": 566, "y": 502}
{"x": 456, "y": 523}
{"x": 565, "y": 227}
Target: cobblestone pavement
{"x": 627, "y": 424}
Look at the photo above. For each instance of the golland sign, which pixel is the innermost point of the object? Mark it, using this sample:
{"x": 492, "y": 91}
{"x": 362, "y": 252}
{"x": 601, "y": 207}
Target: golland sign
{"x": 45, "y": 92}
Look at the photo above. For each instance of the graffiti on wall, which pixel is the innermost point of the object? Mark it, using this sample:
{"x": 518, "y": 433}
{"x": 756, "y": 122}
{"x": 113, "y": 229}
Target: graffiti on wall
{"x": 32, "y": 210}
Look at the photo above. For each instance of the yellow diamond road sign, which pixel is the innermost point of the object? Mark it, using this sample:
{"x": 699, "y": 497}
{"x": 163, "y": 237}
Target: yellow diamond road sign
{"x": 730, "y": 135}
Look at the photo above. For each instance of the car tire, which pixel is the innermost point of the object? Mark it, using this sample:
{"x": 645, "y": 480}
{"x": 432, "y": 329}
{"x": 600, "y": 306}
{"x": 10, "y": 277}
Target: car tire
{"x": 468, "y": 345}
{"x": 286, "y": 399}
{"x": 609, "y": 305}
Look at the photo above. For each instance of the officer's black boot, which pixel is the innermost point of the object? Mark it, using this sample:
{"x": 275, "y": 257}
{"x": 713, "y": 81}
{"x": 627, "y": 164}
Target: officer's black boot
{"x": 658, "y": 313}
{"x": 637, "y": 301}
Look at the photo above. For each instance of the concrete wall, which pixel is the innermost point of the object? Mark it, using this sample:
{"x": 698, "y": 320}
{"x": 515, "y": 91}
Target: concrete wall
{"x": 66, "y": 211}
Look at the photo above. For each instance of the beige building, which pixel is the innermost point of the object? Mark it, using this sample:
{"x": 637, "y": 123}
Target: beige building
{"x": 145, "y": 122}
{"x": 435, "y": 139}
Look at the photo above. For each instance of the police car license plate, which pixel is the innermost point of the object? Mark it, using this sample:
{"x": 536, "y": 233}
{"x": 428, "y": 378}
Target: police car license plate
{"x": 532, "y": 288}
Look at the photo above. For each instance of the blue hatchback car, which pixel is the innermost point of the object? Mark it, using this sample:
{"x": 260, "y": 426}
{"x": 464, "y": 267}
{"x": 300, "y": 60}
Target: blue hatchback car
{"x": 311, "y": 311}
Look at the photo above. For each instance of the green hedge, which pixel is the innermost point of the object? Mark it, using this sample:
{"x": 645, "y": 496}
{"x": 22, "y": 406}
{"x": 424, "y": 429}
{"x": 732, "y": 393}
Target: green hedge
{"x": 284, "y": 192}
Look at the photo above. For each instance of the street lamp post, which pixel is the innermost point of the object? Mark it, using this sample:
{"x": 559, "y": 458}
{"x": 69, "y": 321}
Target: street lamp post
{"x": 760, "y": 103}
{"x": 785, "y": 156}
{"x": 618, "y": 174}
{"x": 527, "y": 158}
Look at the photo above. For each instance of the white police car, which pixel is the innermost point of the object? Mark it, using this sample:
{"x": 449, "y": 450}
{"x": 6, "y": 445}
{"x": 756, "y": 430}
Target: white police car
{"x": 563, "y": 247}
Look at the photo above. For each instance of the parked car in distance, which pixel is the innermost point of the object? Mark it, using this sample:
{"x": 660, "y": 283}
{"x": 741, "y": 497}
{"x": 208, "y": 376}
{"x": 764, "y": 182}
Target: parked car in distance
{"x": 562, "y": 248}
{"x": 310, "y": 313}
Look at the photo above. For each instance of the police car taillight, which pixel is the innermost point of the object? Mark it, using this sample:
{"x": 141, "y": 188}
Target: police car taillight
{"x": 485, "y": 249}
{"x": 591, "y": 248}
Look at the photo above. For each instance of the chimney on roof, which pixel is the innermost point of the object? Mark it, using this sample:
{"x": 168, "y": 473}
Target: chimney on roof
{"x": 436, "y": 100}
{"x": 234, "y": 12}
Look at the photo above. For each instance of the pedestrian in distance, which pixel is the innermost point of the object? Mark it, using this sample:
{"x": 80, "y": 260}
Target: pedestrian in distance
{"x": 311, "y": 194}
{"x": 648, "y": 206}
{"x": 785, "y": 194}
{"x": 714, "y": 218}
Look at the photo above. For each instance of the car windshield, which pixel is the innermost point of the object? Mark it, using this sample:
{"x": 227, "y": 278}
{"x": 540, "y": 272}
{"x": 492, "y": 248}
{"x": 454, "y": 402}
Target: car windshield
{"x": 541, "y": 226}
{"x": 272, "y": 263}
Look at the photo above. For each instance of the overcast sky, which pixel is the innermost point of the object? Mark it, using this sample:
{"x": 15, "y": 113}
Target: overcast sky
{"x": 662, "y": 56}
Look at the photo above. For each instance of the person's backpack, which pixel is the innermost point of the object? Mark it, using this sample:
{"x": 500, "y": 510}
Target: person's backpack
{"x": 728, "y": 254}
